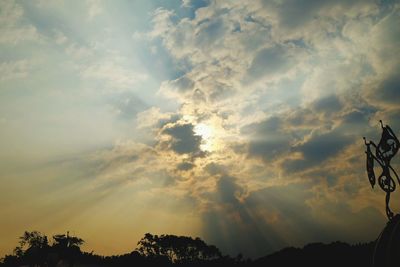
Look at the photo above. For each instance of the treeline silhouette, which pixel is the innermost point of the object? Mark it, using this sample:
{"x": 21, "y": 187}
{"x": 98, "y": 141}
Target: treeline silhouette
{"x": 35, "y": 250}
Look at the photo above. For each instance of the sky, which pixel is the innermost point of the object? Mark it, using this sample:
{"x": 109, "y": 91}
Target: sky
{"x": 239, "y": 122}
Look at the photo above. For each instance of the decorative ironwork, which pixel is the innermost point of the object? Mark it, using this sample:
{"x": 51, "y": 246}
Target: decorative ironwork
{"x": 384, "y": 152}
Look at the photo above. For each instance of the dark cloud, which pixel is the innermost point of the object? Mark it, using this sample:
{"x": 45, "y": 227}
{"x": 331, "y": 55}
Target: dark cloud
{"x": 328, "y": 105}
{"x": 231, "y": 226}
{"x": 210, "y": 31}
{"x": 193, "y": 5}
{"x": 266, "y": 127}
{"x": 294, "y": 14}
{"x": 173, "y": 119}
{"x": 229, "y": 191}
{"x": 388, "y": 90}
{"x": 215, "y": 168}
{"x": 357, "y": 121}
{"x": 196, "y": 3}
{"x": 321, "y": 147}
{"x": 269, "y": 61}
{"x": 220, "y": 92}
{"x": 267, "y": 140}
{"x": 255, "y": 234}
{"x": 331, "y": 180}
{"x": 259, "y": 219}
{"x": 393, "y": 119}
{"x": 295, "y": 165}
{"x": 182, "y": 84}
{"x": 185, "y": 166}
{"x": 199, "y": 96}
{"x": 184, "y": 140}
{"x": 299, "y": 117}
{"x": 318, "y": 149}
{"x": 269, "y": 149}
{"x": 355, "y": 116}
{"x": 258, "y": 224}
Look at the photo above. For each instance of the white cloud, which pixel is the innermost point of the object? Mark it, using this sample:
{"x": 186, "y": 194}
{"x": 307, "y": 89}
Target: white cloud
{"x": 151, "y": 117}
{"x": 116, "y": 76}
{"x": 95, "y": 8}
{"x": 76, "y": 51}
{"x": 13, "y": 28}
{"x": 60, "y": 38}
{"x": 12, "y": 70}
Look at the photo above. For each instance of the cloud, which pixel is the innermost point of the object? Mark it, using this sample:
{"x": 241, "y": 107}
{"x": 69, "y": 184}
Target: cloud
{"x": 154, "y": 118}
{"x": 384, "y": 42}
{"x": 209, "y": 32}
{"x": 177, "y": 88}
{"x": 95, "y": 8}
{"x": 127, "y": 163}
{"x": 228, "y": 192}
{"x": 127, "y": 105}
{"x": 185, "y": 166}
{"x": 183, "y": 139}
{"x": 214, "y": 168}
{"x": 320, "y": 147}
{"x": 115, "y": 75}
{"x": 317, "y": 149}
{"x": 13, "y": 26}
{"x": 269, "y": 219}
{"x": 387, "y": 90}
{"x": 328, "y": 105}
{"x": 194, "y": 4}
{"x": 305, "y": 18}
{"x": 269, "y": 61}
{"x": 14, "y": 70}
{"x": 267, "y": 139}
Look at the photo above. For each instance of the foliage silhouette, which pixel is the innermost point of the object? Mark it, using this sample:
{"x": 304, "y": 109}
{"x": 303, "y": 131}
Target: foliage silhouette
{"x": 177, "y": 249}
{"x": 67, "y": 248}
{"x": 35, "y": 250}
{"x": 170, "y": 250}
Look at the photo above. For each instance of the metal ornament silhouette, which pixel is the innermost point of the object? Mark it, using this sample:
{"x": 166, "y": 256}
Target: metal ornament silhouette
{"x": 384, "y": 152}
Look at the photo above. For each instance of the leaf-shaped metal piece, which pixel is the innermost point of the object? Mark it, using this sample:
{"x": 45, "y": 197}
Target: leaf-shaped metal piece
{"x": 370, "y": 167}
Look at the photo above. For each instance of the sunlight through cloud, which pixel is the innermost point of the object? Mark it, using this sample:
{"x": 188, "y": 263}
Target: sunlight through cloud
{"x": 207, "y": 134}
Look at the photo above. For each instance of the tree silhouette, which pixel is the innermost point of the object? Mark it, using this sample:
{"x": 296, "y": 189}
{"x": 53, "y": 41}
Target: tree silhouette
{"x": 67, "y": 241}
{"x": 171, "y": 250}
{"x": 67, "y": 247}
{"x": 33, "y": 248}
{"x": 177, "y": 249}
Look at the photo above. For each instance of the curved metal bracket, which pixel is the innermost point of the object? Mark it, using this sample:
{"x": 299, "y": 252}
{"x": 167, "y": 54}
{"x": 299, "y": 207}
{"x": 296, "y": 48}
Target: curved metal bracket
{"x": 386, "y": 149}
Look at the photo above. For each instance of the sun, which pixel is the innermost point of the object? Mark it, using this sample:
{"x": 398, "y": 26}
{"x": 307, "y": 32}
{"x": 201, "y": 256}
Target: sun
{"x": 203, "y": 130}
{"x": 207, "y": 135}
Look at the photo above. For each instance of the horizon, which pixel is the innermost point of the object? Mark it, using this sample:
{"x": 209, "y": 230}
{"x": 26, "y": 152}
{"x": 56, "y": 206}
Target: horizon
{"x": 241, "y": 123}
{"x": 51, "y": 242}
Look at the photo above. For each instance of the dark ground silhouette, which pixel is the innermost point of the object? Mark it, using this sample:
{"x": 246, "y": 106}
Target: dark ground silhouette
{"x": 34, "y": 249}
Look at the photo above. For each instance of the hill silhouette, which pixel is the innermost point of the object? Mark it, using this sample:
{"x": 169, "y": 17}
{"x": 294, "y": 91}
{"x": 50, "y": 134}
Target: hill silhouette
{"x": 319, "y": 254}
{"x": 34, "y": 249}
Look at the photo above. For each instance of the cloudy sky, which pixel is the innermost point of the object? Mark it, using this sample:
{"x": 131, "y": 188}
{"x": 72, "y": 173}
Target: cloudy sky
{"x": 240, "y": 122}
